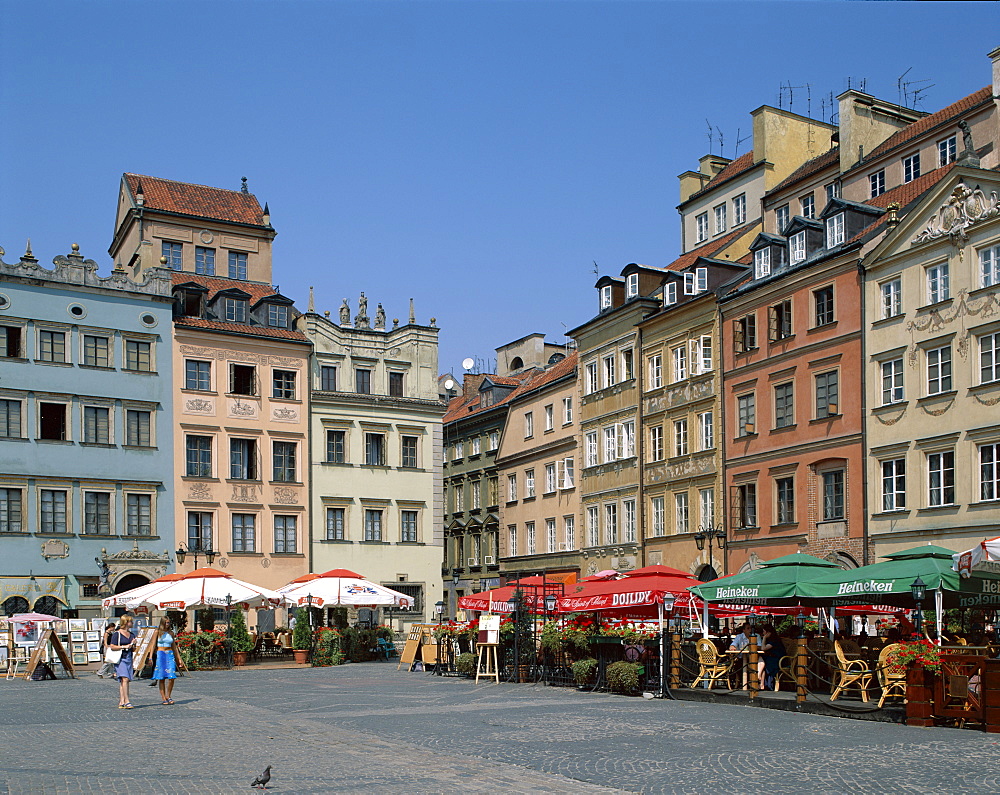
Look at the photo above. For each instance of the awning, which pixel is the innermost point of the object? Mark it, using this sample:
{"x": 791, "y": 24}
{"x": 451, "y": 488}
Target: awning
{"x": 33, "y": 590}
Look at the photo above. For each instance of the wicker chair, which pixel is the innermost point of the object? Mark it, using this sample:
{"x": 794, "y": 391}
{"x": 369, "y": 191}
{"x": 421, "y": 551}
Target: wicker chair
{"x": 852, "y": 671}
{"x": 712, "y": 669}
{"x": 891, "y": 676}
{"x": 786, "y": 671}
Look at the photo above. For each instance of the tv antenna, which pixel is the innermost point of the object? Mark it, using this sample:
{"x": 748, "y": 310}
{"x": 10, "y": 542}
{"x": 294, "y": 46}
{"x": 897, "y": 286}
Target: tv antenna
{"x": 740, "y": 140}
{"x": 787, "y": 86}
{"x": 909, "y": 98}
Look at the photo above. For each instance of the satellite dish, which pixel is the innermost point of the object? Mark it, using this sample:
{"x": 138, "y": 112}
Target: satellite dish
{"x": 468, "y": 363}
{"x": 449, "y": 385}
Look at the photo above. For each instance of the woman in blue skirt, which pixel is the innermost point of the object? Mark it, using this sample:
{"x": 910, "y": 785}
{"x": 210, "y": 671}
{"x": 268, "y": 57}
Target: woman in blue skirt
{"x": 124, "y": 641}
{"x": 165, "y": 670}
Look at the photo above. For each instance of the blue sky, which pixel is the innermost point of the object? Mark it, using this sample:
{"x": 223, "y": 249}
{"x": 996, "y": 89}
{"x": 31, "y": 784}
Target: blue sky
{"x": 477, "y": 156}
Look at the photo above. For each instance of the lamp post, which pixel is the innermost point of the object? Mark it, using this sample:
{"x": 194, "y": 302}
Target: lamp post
{"x": 665, "y": 647}
{"x": 229, "y": 633}
{"x": 182, "y": 552}
{"x": 918, "y": 590}
{"x": 439, "y": 609}
{"x": 710, "y": 533}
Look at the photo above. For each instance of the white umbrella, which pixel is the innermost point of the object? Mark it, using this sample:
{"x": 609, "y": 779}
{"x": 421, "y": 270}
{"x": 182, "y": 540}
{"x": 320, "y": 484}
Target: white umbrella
{"x": 203, "y": 587}
{"x": 343, "y": 587}
{"x": 985, "y": 557}
{"x": 133, "y": 596}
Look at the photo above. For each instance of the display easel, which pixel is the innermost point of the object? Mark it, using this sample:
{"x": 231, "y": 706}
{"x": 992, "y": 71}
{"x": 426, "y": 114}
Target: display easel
{"x": 48, "y": 637}
{"x": 488, "y": 640}
{"x": 143, "y": 647}
{"x": 419, "y": 635}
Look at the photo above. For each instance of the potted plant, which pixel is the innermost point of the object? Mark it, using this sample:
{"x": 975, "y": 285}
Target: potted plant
{"x": 465, "y": 664}
{"x": 584, "y": 671}
{"x": 240, "y": 638}
{"x": 623, "y": 677}
{"x": 301, "y": 636}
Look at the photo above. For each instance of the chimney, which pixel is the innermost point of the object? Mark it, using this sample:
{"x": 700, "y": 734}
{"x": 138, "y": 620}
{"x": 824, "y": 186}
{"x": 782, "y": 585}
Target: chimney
{"x": 995, "y": 58}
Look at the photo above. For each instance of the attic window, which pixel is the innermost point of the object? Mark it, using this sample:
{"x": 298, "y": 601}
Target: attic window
{"x": 486, "y": 398}
{"x": 606, "y": 297}
{"x": 696, "y": 282}
{"x": 835, "y": 230}
{"x": 670, "y": 293}
{"x": 632, "y": 285}
{"x": 236, "y": 310}
{"x": 516, "y": 363}
{"x": 762, "y": 262}
{"x": 277, "y": 316}
{"x": 797, "y": 247}
{"x": 192, "y": 304}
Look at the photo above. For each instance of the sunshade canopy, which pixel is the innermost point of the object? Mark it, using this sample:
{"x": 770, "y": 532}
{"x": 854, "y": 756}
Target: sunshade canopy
{"x": 500, "y": 600}
{"x": 778, "y": 582}
{"x": 202, "y": 587}
{"x": 343, "y": 587}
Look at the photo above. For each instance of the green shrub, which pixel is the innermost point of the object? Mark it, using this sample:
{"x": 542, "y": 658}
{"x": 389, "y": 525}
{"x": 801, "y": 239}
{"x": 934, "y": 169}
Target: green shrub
{"x": 238, "y": 634}
{"x": 206, "y": 619}
{"x": 584, "y": 671}
{"x": 465, "y": 664}
{"x": 357, "y": 643}
{"x": 328, "y": 650}
{"x": 301, "y": 636}
{"x": 623, "y": 677}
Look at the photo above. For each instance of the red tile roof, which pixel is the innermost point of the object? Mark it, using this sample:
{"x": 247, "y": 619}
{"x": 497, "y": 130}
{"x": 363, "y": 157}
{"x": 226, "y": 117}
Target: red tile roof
{"x": 708, "y": 249}
{"x": 214, "y": 284}
{"x": 807, "y": 169}
{"x": 197, "y": 200}
{"x": 904, "y": 195}
{"x": 732, "y": 169}
{"x": 463, "y": 406}
{"x": 911, "y": 131}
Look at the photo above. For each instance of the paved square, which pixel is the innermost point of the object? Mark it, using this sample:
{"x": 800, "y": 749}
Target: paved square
{"x": 356, "y": 728}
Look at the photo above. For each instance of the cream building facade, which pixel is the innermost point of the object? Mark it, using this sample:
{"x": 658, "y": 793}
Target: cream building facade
{"x": 376, "y": 451}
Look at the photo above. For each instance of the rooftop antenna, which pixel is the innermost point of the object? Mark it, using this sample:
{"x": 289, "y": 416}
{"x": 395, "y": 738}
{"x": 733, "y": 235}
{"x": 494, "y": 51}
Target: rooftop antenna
{"x": 740, "y": 140}
{"x": 597, "y": 271}
{"x": 710, "y": 135}
{"x": 722, "y": 143}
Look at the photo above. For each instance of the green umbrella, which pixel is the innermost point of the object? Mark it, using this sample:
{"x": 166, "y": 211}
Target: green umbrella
{"x": 778, "y": 582}
{"x": 889, "y": 581}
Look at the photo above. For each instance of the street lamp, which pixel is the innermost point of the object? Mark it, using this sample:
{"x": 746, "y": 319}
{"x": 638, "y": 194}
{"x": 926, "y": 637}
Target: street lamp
{"x": 182, "y": 552}
{"x": 439, "y": 609}
{"x": 229, "y": 634}
{"x": 710, "y": 533}
{"x": 668, "y": 609}
{"x": 918, "y": 590}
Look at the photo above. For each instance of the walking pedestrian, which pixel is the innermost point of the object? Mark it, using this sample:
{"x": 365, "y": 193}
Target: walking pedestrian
{"x": 165, "y": 671}
{"x": 107, "y": 669}
{"x": 124, "y": 641}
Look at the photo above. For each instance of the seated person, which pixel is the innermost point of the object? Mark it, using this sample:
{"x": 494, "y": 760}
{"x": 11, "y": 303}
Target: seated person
{"x": 742, "y": 639}
{"x": 772, "y": 650}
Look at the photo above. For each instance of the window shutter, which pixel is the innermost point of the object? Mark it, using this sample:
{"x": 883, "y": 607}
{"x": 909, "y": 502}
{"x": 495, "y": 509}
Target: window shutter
{"x": 695, "y": 356}
{"x": 739, "y": 339}
{"x": 735, "y": 507}
{"x": 772, "y": 323}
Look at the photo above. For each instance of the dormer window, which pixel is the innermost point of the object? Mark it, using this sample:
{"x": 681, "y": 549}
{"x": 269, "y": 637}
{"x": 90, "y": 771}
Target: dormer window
{"x": 192, "y": 304}
{"x": 632, "y": 285}
{"x": 670, "y": 293}
{"x": 606, "y": 297}
{"x": 696, "y": 282}
{"x": 277, "y": 316}
{"x": 797, "y": 247}
{"x": 762, "y": 263}
{"x": 236, "y": 310}
{"x": 835, "y": 230}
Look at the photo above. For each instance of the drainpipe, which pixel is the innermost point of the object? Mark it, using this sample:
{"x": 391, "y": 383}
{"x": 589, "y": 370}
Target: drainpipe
{"x": 640, "y": 443}
{"x": 721, "y": 436}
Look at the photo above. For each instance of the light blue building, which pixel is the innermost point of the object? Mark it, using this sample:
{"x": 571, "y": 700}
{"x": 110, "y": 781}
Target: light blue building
{"x": 86, "y": 437}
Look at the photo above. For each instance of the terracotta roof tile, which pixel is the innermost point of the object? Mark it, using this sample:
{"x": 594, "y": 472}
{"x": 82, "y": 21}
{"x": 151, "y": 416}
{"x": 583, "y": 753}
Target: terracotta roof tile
{"x": 911, "y": 131}
{"x": 214, "y": 284}
{"x": 468, "y": 406}
{"x": 708, "y": 249}
{"x": 810, "y": 167}
{"x": 904, "y": 195}
{"x": 197, "y": 200}
{"x": 732, "y": 169}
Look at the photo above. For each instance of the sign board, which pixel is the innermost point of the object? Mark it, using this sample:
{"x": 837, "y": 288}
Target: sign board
{"x": 418, "y": 635}
{"x": 48, "y": 637}
{"x": 143, "y": 646}
{"x": 489, "y": 630}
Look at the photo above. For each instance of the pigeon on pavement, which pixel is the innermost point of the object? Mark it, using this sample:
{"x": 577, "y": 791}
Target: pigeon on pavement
{"x": 263, "y": 778}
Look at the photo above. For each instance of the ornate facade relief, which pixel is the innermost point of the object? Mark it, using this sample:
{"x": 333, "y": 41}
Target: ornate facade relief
{"x": 963, "y": 209}
{"x": 985, "y": 306}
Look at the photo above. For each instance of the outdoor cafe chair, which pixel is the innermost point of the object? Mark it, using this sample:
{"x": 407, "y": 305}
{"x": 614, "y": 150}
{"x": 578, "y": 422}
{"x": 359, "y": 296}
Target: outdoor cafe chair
{"x": 786, "y": 671}
{"x": 891, "y": 676}
{"x": 852, "y": 671}
{"x": 712, "y": 669}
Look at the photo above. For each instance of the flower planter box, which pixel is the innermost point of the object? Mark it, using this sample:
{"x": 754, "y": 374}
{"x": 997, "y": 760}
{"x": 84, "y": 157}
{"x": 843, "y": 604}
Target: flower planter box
{"x": 301, "y": 656}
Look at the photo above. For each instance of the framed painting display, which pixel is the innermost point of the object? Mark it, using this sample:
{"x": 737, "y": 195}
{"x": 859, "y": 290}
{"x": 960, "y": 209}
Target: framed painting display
{"x": 93, "y": 656}
{"x": 61, "y": 626}
{"x": 93, "y": 645}
{"x": 79, "y": 658}
{"x": 93, "y": 634}
{"x": 76, "y": 636}
{"x": 98, "y": 623}
{"x": 78, "y": 647}
{"x": 77, "y": 623}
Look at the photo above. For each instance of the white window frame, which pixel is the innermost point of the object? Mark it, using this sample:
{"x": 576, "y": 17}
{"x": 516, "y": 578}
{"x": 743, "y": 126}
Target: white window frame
{"x": 892, "y": 297}
{"x": 593, "y": 526}
{"x": 989, "y": 357}
{"x": 550, "y": 478}
{"x": 939, "y": 369}
{"x": 893, "y": 390}
{"x": 655, "y": 370}
{"x": 530, "y": 539}
{"x": 739, "y": 209}
{"x": 989, "y": 266}
{"x": 706, "y": 507}
{"x": 567, "y": 410}
{"x": 682, "y": 513}
{"x": 781, "y": 216}
{"x": 591, "y": 449}
{"x": 807, "y": 206}
{"x": 657, "y": 512}
{"x": 670, "y": 293}
{"x": 569, "y": 532}
{"x": 608, "y": 372}
{"x": 893, "y": 483}
{"x": 549, "y": 414}
{"x": 947, "y": 150}
{"x": 565, "y": 472}
{"x": 605, "y": 296}
{"x": 989, "y": 472}
{"x": 720, "y": 218}
{"x": 797, "y": 247}
{"x": 701, "y": 227}
{"x": 938, "y": 282}
{"x": 610, "y": 443}
{"x": 681, "y": 436}
{"x": 911, "y": 167}
{"x": 529, "y": 424}
{"x": 876, "y": 183}
{"x": 835, "y": 230}
{"x": 632, "y": 285}
{"x": 679, "y": 357}
{"x": 512, "y": 488}
{"x": 611, "y": 523}
{"x": 762, "y": 262}
{"x": 529, "y": 483}
{"x": 628, "y": 521}
{"x": 550, "y": 535}
{"x": 590, "y": 378}
{"x": 706, "y": 430}
{"x": 512, "y": 539}
{"x": 941, "y": 478}
{"x": 656, "y": 443}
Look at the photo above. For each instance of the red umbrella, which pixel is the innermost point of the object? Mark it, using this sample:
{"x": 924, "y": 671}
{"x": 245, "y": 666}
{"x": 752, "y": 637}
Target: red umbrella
{"x": 500, "y": 600}
{"x": 639, "y": 594}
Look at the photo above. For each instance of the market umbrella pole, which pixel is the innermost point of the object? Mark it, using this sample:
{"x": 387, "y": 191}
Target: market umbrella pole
{"x": 938, "y": 610}
{"x": 663, "y": 659}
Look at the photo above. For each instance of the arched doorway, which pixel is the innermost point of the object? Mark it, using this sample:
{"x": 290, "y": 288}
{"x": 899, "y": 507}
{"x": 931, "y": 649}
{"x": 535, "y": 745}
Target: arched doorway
{"x": 707, "y": 574}
{"x": 130, "y": 581}
{"x": 15, "y": 604}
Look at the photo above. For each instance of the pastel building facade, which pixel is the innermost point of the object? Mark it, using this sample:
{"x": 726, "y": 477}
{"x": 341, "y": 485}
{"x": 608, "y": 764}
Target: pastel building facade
{"x": 375, "y": 460}
{"x": 86, "y": 433}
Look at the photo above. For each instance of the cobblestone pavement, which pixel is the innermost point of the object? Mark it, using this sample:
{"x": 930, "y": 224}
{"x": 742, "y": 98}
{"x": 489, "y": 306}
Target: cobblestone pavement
{"x": 357, "y": 727}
